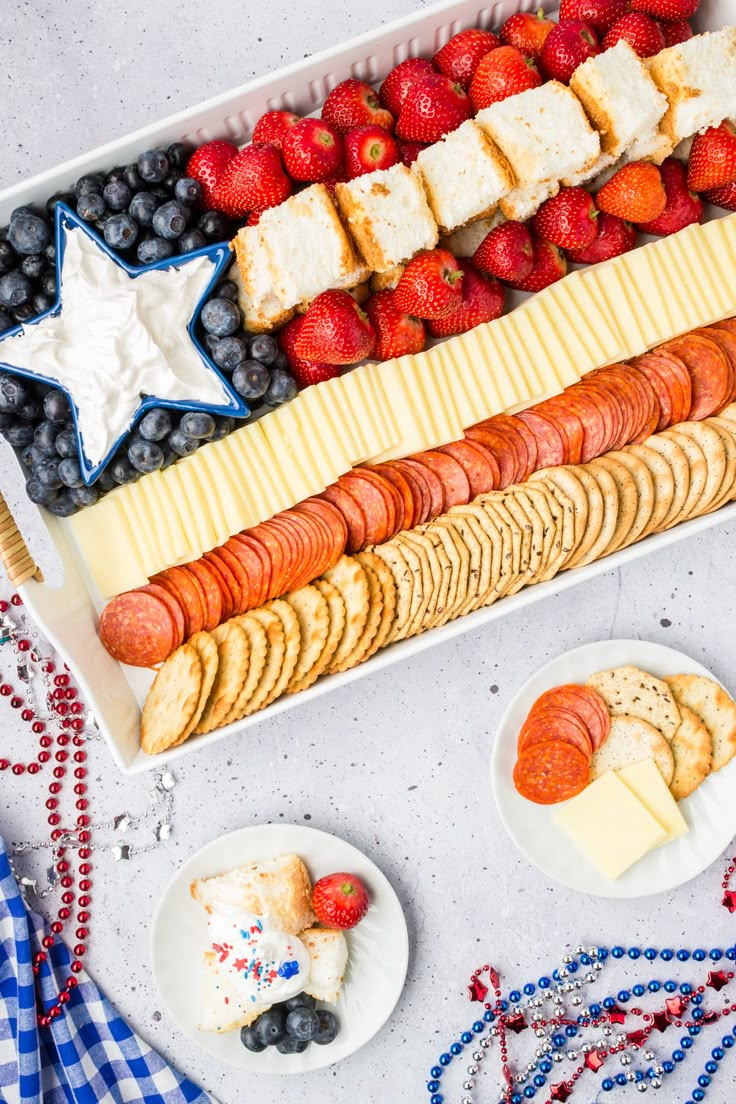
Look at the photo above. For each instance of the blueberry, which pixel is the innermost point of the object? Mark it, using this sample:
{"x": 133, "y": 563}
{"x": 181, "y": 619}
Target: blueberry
{"x": 15, "y": 289}
{"x": 178, "y": 155}
{"x": 41, "y": 303}
{"x": 122, "y": 471}
{"x": 172, "y": 179}
{"x": 170, "y": 457}
{"x": 90, "y": 206}
{"x": 24, "y": 313}
{"x": 145, "y": 456}
{"x": 197, "y": 424}
{"x": 156, "y": 424}
{"x": 56, "y": 406}
{"x": 270, "y": 1027}
{"x": 228, "y": 289}
{"x": 142, "y": 207}
{"x": 121, "y": 231}
{"x": 50, "y": 253}
{"x": 191, "y": 240}
{"x": 44, "y": 438}
{"x": 249, "y": 1040}
{"x": 229, "y": 352}
{"x": 91, "y": 182}
{"x": 170, "y": 220}
{"x": 153, "y": 165}
{"x": 48, "y": 282}
{"x": 105, "y": 481}
{"x": 47, "y": 472}
{"x": 6, "y": 322}
{"x": 8, "y": 257}
{"x": 28, "y": 232}
{"x": 188, "y": 190}
{"x": 159, "y": 193}
{"x": 327, "y": 1031}
{"x": 283, "y": 388}
{"x": 33, "y": 265}
{"x": 281, "y": 362}
{"x": 219, "y": 317}
{"x": 251, "y": 379}
{"x": 29, "y": 456}
{"x": 302, "y": 1023}
{"x": 264, "y": 348}
{"x": 31, "y": 410}
{"x": 290, "y": 1045}
{"x": 214, "y": 226}
{"x": 115, "y": 175}
{"x": 181, "y": 444}
{"x": 133, "y": 178}
{"x": 18, "y": 434}
{"x": 70, "y": 472}
{"x": 13, "y": 393}
{"x": 39, "y": 493}
{"x": 62, "y": 505}
{"x": 67, "y": 198}
{"x": 225, "y": 425}
{"x": 117, "y": 195}
{"x": 66, "y": 443}
{"x": 153, "y": 250}
{"x": 211, "y": 342}
{"x": 301, "y": 1000}
{"x": 83, "y": 496}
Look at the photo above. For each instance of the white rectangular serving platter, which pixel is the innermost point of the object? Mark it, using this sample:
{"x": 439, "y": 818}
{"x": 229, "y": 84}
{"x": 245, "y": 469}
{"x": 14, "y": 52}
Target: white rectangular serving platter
{"x": 68, "y": 613}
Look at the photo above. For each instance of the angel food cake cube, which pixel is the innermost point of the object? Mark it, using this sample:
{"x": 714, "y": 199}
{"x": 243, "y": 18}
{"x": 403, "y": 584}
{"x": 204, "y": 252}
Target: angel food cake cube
{"x": 698, "y": 77}
{"x": 464, "y": 176}
{"x": 262, "y": 310}
{"x": 308, "y": 248}
{"x": 388, "y": 216}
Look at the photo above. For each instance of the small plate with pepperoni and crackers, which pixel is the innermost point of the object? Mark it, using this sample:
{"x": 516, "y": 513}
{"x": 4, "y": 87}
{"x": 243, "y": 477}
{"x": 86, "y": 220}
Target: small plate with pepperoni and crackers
{"x": 612, "y": 768}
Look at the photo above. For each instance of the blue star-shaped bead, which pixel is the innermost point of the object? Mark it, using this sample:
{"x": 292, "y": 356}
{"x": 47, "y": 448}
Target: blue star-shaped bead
{"x": 120, "y": 340}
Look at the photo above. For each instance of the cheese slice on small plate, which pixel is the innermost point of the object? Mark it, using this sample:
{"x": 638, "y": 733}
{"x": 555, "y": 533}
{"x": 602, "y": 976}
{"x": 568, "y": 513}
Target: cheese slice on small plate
{"x": 646, "y": 783}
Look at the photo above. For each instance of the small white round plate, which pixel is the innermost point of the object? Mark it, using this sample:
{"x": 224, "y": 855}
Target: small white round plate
{"x": 378, "y": 947}
{"x": 710, "y": 811}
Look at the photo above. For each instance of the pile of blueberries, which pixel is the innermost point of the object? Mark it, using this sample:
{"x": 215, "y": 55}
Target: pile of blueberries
{"x": 147, "y": 211}
{"x": 290, "y": 1027}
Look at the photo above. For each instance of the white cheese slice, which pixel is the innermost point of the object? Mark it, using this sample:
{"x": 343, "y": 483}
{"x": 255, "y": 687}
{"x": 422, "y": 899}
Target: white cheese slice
{"x": 646, "y": 783}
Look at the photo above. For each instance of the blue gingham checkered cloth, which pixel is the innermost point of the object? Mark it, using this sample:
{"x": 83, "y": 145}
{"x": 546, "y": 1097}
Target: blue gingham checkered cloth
{"x": 88, "y": 1055}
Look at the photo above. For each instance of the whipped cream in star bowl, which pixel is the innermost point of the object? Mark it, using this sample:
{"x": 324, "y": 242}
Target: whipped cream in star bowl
{"x": 120, "y": 339}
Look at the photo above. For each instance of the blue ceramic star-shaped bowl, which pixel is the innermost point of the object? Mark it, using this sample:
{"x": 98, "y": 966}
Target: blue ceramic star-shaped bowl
{"x": 220, "y": 257}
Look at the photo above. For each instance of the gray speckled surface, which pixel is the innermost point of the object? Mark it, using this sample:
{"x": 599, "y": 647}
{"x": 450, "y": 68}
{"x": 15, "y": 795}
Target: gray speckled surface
{"x": 398, "y": 764}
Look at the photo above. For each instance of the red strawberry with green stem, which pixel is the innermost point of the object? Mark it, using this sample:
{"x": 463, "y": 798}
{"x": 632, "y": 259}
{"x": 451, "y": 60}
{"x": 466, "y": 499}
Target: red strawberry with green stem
{"x": 402, "y": 77}
{"x": 482, "y": 301}
{"x": 335, "y": 330}
{"x": 568, "y": 220}
{"x": 207, "y": 164}
{"x": 615, "y": 236}
{"x": 569, "y": 44}
{"x": 549, "y": 265}
{"x": 502, "y": 73}
{"x": 527, "y": 31}
{"x": 340, "y": 900}
{"x": 599, "y": 14}
{"x": 305, "y": 372}
{"x": 353, "y": 103}
{"x": 435, "y": 107}
{"x": 430, "y": 286}
{"x": 459, "y": 58}
{"x": 253, "y": 180}
{"x": 635, "y": 193}
{"x": 369, "y": 148}
{"x": 712, "y": 160}
{"x": 312, "y": 150}
{"x": 506, "y": 252}
{"x": 683, "y": 206}
{"x": 272, "y": 127}
{"x": 397, "y": 333}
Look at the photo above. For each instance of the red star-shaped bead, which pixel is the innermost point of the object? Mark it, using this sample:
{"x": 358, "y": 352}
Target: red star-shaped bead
{"x": 636, "y": 1038}
{"x": 516, "y": 1023}
{"x": 717, "y": 979}
{"x": 729, "y": 900}
{"x": 593, "y": 1060}
{"x": 477, "y": 990}
{"x": 675, "y": 1006}
{"x": 616, "y": 1015}
{"x": 561, "y": 1091}
{"x": 709, "y": 1017}
{"x": 661, "y": 1021}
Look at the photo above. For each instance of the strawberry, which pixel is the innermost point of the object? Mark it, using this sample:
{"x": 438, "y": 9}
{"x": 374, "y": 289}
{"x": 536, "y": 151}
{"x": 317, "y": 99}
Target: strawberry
{"x": 482, "y": 301}
{"x": 599, "y": 14}
{"x": 614, "y": 237}
{"x": 272, "y": 127}
{"x": 312, "y": 150}
{"x": 435, "y": 107}
{"x": 305, "y": 372}
{"x": 369, "y": 148}
{"x": 430, "y": 286}
{"x": 254, "y": 179}
{"x": 642, "y": 33}
{"x": 506, "y": 252}
{"x": 394, "y": 89}
{"x": 676, "y": 31}
{"x": 396, "y": 333}
{"x": 335, "y": 330}
{"x": 207, "y": 164}
{"x": 725, "y": 196}
{"x": 634, "y": 193}
{"x": 569, "y": 44}
{"x": 712, "y": 160}
{"x": 549, "y": 265}
{"x": 683, "y": 208}
{"x": 568, "y": 219}
{"x": 253, "y": 218}
{"x": 409, "y": 151}
{"x": 459, "y": 58}
{"x": 666, "y": 9}
{"x": 353, "y": 103}
{"x": 340, "y": 900}
{"x": 339, "y": 176}
{"x": 527, "y": 31}
{"x": 502, "y": 73}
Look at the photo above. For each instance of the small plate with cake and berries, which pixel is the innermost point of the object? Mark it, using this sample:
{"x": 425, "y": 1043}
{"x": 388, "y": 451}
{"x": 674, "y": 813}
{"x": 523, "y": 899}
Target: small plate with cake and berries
{"x": 280, "y": 948}
{"x": 612, "y": 768}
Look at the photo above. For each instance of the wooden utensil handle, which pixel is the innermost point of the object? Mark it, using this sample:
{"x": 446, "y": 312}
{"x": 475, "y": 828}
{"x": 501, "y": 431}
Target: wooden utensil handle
{"x": 17, "y": 560}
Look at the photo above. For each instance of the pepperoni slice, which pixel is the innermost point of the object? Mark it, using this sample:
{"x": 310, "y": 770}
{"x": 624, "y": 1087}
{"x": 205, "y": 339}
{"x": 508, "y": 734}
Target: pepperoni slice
{"x": 551, "y": 772}
{"x": 550, "y": 443}
{"x": 188, "y": 594}
{"x": 591, "y": 419}
{"x": 504, "y": 451}
{"x": 292, "y": 550}
{"x": 559, "y": 411}
{"x": 478, "y": 463}
{"x": 455, "y": 485}
{"x": 237, "y": 570}
{"x": 683, "y": 377}
{"x": 334, "y": 523}
{"x": 653, "y": 406}
{"x": 609, "y": 407}
{"x": 419, "y": 490}
{"x": 585, "y": 702}
{"x": 555, "y": 723}
{"x": 226, "y": 595}
{"x": 431, "y": 481}
{"x": 381, "y": 508}
{"x": 352, "y": 514}
{"x": 211, "y": 591}
{"x": 666, "y": 386}
{"x": 400, "y": 484}
{"x": 138, "y": 629}
{"x": 709, "y": 372}
{"x": 523, "y": 440}
{"x": 630, "y": 398}
{"x": 257, "y": 566}
{"x": 725, "y": 339}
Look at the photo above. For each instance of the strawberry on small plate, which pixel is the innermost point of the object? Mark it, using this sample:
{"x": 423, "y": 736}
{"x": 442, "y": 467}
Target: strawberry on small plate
{"x": 378, "y": 946}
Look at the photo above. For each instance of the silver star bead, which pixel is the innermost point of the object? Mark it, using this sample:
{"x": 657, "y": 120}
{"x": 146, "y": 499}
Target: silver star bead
{"x": 162, "y": 831}
{"x": 28, "y": 885}
{"x": 120, "y": 851}
{"x": 166, "y": 782}
{"x": 121, "y": 823}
